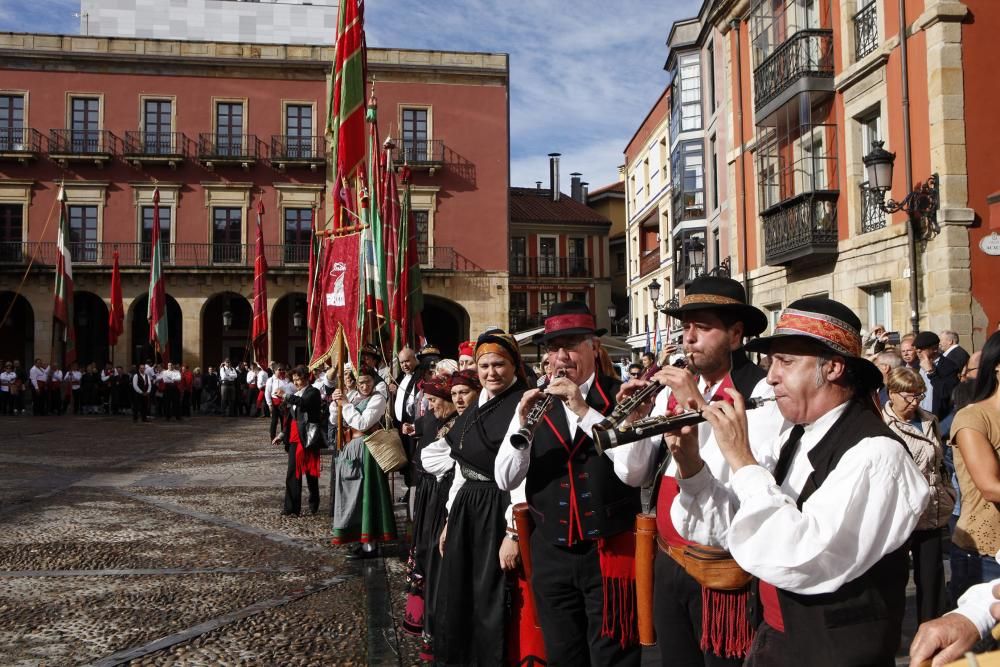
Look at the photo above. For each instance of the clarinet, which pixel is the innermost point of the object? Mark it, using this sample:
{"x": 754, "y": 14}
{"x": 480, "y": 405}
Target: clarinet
{"x": 523, "y": 437}
{"x": 650, "y": 426}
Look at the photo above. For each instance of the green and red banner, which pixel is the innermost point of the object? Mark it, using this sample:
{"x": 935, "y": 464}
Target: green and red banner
{"x": 338, "y": 300}
{"x": 62, "y": 308}
{"x": 259, "y": 335}
{"x": 156, "y": 310}
{"x": 116, "y": 316}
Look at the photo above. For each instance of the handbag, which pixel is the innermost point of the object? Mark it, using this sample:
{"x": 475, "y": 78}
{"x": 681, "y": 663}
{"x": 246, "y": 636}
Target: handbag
{"x": 314, "y": 437}
{"x": 711, "y": 567}
{"x": 386, "y": 447}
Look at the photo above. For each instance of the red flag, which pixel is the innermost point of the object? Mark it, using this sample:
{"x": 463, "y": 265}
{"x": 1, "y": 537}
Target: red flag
{"x": 156, "y": 311}
{"x": 338, "y": 287}
{"x": 62, "y": 308}
{"x": 260, "y": 293}
{"x": 345, "y": 125}
{"x": 116, "y": 316}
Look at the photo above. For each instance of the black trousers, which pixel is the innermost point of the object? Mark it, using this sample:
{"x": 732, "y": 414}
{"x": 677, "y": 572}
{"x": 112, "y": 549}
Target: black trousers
{"x": 252, "y": 400}
{"x": 275, "y": 420}
{"x": 677, "y": 617}
{"x": 293, "y": 487}
{"x": 172, "y": 402}
{"x": 39, "y": 401}
{"x": 569, "y": 599}
{"x": 927, "y": 552}
{"x": 140, "y": 407}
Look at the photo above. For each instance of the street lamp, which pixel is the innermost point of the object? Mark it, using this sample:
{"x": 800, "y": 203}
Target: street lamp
{"x": 696, "y": 254}
{"x": 227, "y": 318}
{"x": 297, "y": 318}
{"x": 654, "y": 293}
{"x": 612, "y": 312}
{"x": 921, "y": 205}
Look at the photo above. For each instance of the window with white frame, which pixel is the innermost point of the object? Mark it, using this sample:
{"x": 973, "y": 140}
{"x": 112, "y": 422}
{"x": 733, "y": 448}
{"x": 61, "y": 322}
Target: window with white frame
{"x": 879, "y": 307}
{"x": 773, "y": 315}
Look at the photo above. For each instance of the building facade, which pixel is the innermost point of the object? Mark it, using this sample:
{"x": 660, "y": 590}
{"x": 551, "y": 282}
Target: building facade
{"x": 247, "y": 21}
{"x": 792, "y": 94}
{"x": 217, "y": 127}
{"x": 609, "y": 201}
{"x": 558, "y": 252}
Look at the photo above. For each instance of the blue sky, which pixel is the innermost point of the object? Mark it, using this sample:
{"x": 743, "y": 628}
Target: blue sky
{"x": 583, "y": 73}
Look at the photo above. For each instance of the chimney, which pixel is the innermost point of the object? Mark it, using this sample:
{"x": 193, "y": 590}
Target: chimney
{"x": 538, "y": 186}
{"x": 575, "y": 191}
{"x": 554, "y": 175}
{"x": 585, "y": 191}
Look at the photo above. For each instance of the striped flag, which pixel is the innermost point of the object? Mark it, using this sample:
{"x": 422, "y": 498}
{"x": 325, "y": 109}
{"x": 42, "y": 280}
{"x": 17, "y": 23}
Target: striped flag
{"x": 156, "y": 308}
{"x": 260, "y": 293}
{"x": 345, "y": 125}
{"x": 62, "y": 309}
{"x": 410, "y": 295}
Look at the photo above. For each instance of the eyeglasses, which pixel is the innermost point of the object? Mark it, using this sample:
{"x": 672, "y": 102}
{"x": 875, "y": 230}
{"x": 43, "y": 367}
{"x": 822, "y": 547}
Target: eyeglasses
{"x": 635, "y": 374}
{"x": 912, "y": 398}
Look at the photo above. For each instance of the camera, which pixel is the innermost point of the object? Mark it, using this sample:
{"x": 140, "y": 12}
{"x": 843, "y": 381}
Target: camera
{"x": 892, "y": 338}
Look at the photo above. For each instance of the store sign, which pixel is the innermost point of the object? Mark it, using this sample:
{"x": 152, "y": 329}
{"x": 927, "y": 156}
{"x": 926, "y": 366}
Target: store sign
{"x": 990, "y": 244}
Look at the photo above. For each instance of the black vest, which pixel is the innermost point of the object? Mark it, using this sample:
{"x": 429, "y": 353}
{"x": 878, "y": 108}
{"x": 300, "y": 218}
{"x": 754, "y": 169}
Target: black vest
{"x": 860, "y": 624}
{"x": 568, "y": 482}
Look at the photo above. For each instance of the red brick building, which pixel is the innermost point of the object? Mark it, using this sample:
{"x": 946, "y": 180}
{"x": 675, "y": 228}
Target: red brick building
{"x": 217, "y": 127}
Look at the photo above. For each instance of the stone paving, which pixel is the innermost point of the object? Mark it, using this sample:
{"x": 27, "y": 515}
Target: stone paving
{"x": 162, "y": 544}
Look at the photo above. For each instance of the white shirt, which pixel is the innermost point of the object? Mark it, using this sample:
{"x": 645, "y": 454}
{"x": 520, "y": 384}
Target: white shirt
{"x": 398, "y": 408}
{"x": 135, "y": 385}
{"x": 36, "y": 375}
{"x": 275, "y": 383}
{"x": 975, "y": 605}
{"x": 866, "y": 508}
{"x": 150, "y": 374}
{"x": 74, "y": 378}
{"x": 6, "y": 380}
{"x": 262, "y": 378}
{"x": 633, "y": 462}
{"x": 107, "y": 375}
{"x": 227, "y": 374}
{"x": 360, "y": 420}
{"x": 55, "y": 376}
{"x": 169, "y": 376}
{"x": 252, "y": 378}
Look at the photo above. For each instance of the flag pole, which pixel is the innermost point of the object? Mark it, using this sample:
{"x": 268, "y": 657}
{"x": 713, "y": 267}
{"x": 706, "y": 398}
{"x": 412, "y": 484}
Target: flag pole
{"x": 342, "y": 356}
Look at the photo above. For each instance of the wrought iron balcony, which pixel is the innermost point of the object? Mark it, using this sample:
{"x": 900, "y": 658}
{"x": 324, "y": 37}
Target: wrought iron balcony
{"x": 419, "y": 154}
{"x": 138, "y": 254}
{"x": 19, "y": 143}
{"x": 216, "y": 148}
{"x": 872, "y": 215}
{"x": 69, "y": 145}
{"x": 150, "y": 146}
{"x": 801, "y": 230}
{"x": 649, "y": 261}
{"x": 806, "y": 54}
{"x": 550, "y": 266}
{"x": 445, "y": 258}
{"x": 524, "y": 322}
{"x": 295, "y": 151}
{"x": 865, "y": 30}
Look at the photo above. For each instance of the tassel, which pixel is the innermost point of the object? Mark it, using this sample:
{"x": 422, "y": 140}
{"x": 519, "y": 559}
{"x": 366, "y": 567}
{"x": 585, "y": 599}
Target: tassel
{"x": 725, "y": 625}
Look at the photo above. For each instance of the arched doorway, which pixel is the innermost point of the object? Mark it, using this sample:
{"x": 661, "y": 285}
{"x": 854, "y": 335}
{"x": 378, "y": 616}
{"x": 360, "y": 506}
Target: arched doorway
{"x": 446, "y": 324}
{"x": 288, "y": 341}
{"x": 226, "y": 322}
{"x": 17, "y": 332}
{"x": 90, "y": 320}
{"x": 141, "y": 349}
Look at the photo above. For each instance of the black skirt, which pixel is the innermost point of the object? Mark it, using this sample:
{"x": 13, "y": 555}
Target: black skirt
{"x": 470, "y": 608}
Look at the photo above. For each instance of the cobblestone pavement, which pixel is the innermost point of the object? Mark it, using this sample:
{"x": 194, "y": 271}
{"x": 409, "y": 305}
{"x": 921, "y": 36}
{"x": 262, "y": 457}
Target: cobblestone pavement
{"x": 162, "y": 544}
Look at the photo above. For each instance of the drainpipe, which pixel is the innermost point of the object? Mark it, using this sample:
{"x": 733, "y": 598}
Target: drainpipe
{"x": 735, "y": 25}
{"x": 911, "y": 223}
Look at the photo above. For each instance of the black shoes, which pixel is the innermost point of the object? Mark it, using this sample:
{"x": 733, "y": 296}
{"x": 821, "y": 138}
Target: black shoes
{"x": 359, "y": 553}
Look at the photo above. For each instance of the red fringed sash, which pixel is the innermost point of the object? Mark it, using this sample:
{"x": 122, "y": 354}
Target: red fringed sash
{"x": 617, "y": 555}
{"x": 306, "y": 462}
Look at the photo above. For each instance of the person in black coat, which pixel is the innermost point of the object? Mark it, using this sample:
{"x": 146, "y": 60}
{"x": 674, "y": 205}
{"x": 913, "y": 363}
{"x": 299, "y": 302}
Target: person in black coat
{"x": 939, "y": 372}
{"x": 302, "y": 437}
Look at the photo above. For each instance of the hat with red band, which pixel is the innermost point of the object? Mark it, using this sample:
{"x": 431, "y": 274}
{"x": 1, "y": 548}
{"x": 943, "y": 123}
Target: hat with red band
{"x": 569, "y": 318}
{"x": 829, "y": 324}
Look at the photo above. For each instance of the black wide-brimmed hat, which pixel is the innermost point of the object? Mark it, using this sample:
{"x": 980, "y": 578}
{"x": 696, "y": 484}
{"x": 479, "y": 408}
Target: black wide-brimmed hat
{"x": 829, "y": 324}
{"x": 925, "y": 339}
{"x": 724, "y": 294}
{"x": 429, "y": 352}
{"x": 568, "y": 318}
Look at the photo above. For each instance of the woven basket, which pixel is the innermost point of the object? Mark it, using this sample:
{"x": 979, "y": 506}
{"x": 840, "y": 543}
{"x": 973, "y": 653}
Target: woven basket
{"x": 386, "y": 448}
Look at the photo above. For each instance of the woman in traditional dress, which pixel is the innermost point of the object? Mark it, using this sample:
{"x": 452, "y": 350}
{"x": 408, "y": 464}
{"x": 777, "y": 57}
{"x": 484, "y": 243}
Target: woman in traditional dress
{"x": 470, "y": 607}
{"x": 428, "y": 428}
{"x": 301, "y": 437}
{"x": 362, "y": 509}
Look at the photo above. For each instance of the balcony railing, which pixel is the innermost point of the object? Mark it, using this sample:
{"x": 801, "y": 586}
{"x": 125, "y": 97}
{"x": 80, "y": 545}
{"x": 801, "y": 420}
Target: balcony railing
{"x": 550, "y": 267}
{"x": 523, "y": 321}
{"x": 649, "y": 261}
{"x": 806, "y": 53}
{"x": 417, "y": 153}
{"x": 155, "y": 144}
{"x": 288, "y": 148}
{"x": 872, "y": 215}
{"x": 232, "y": 147}
{"x": 137, "y": 254}
{"x": 445, "y": 258}
{"x": 83, "y": 142}
{"x": 20, "y": 140}
{"x": 802, "y": 228}
{"x": 865, "y": 30}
